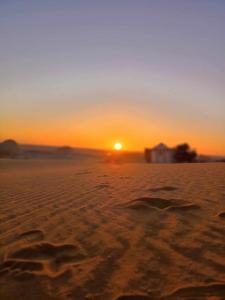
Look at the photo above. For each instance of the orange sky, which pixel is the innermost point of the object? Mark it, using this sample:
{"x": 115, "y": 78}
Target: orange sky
{"x": 102, "y": 126}
{"x": 88, "y": 74}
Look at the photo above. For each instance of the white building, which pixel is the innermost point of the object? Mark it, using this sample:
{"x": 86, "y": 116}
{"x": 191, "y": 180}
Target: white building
{"x": 159, "y": 154}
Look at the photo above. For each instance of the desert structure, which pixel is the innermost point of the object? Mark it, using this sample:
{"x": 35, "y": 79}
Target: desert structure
{"x": 159, "y": 154}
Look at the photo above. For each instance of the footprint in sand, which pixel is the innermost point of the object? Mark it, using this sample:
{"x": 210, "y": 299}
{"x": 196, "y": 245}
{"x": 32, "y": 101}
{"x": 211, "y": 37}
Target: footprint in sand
{"x": 36, "y": 258}
{"x": 151, "y": 202}
{"x": 145, "y": 203}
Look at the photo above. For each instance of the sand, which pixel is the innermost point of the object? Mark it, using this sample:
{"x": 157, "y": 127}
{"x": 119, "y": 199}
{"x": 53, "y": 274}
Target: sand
{"x": 71, "y": 230}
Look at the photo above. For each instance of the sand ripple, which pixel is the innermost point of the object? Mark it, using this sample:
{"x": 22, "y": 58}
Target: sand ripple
{"x": 102, "y": 232}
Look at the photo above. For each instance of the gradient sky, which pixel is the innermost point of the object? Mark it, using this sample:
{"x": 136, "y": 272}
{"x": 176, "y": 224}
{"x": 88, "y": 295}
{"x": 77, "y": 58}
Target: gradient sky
{"x": 89, "y": 73}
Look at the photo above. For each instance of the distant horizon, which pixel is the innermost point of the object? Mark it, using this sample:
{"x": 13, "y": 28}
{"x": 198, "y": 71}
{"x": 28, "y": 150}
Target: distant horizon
{"x": 108, "y": 149}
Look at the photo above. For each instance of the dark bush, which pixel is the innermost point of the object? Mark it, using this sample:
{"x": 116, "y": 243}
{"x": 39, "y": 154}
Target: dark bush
{"x": 183, "y": 153}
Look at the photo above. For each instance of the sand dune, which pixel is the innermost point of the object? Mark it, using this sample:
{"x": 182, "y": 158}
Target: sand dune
{"x": 111, "y": 232}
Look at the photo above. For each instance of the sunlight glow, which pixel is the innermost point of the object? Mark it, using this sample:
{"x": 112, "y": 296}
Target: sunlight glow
{"x": 118, "y": 146}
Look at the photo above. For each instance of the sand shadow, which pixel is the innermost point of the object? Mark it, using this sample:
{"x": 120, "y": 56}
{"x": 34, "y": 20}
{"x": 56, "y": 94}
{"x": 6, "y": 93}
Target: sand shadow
{"x": 164, "y": 188}
{"x": 222, "y": 215}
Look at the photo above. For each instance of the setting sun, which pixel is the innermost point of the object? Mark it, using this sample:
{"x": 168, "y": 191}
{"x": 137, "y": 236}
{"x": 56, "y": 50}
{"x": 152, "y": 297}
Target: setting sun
{"x": 118, "y": 146}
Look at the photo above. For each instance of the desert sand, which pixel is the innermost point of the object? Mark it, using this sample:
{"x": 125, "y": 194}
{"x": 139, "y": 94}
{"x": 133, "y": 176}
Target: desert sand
{"x": 71, "y": 230}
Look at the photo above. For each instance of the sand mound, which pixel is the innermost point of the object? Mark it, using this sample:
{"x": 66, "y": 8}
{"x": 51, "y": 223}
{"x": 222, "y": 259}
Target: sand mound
{"x": 43, "y": 251}
{"x": 37, "y": 257}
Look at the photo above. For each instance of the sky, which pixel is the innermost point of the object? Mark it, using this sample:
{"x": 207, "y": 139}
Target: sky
{"x": 89, "y": 73}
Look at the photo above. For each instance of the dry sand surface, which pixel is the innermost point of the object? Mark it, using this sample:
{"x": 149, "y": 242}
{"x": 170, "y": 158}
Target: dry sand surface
{"x": 111, "y": 232}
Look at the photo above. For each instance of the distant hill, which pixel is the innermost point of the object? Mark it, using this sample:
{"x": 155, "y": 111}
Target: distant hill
{"x": 64, "y": 152}
{"x": 9, "y": 149}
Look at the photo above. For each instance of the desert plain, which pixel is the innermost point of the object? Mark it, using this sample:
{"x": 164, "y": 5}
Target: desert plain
{"x": 78, "y": 230}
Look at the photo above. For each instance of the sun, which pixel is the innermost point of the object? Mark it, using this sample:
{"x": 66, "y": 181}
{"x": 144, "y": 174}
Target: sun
{"x": 118, "y": 146}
